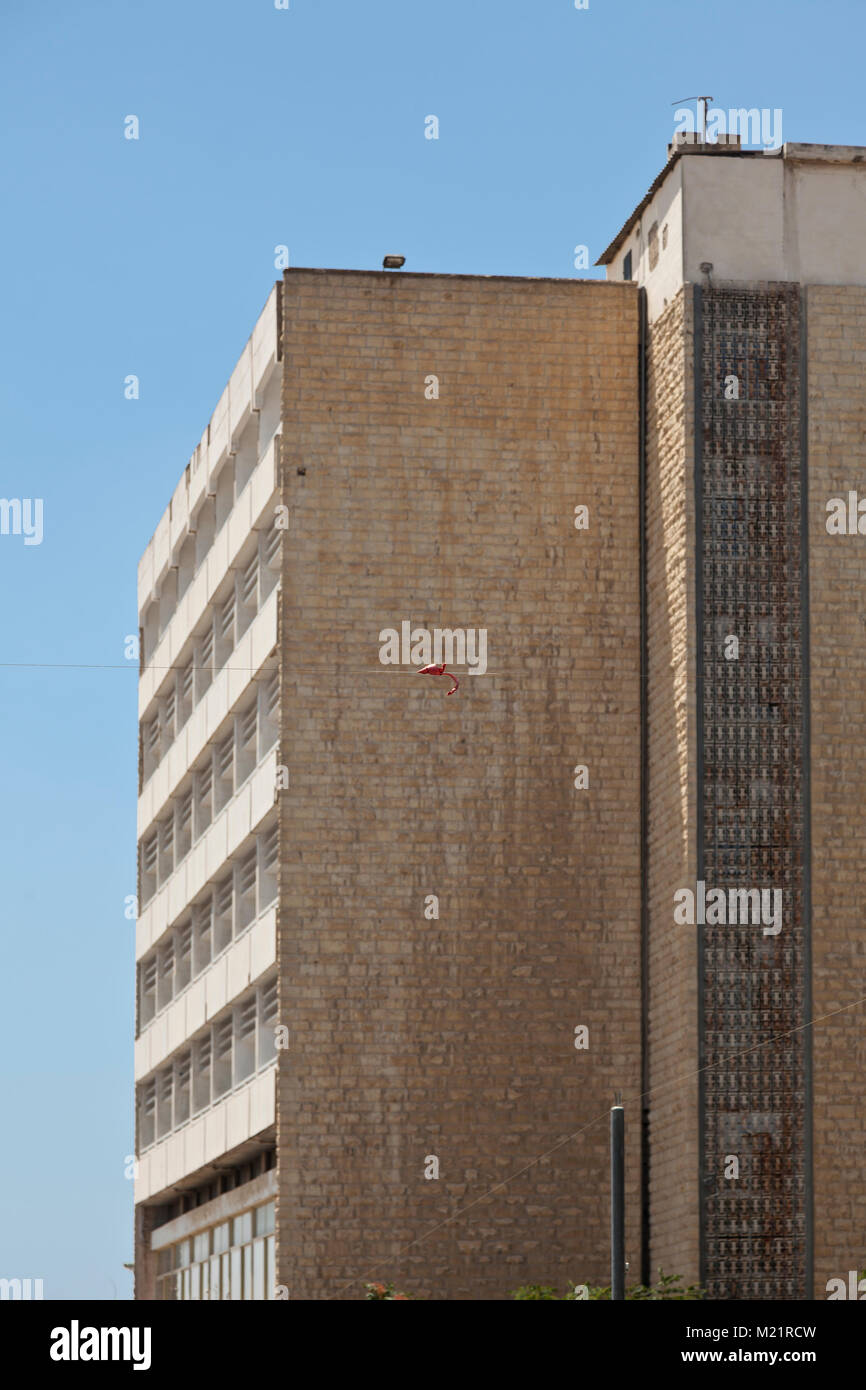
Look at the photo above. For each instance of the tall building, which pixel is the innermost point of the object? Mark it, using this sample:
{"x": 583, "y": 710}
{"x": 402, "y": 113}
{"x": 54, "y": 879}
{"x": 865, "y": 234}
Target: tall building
{"x": 208, "y": 855}
{"x": 397, "y": 951}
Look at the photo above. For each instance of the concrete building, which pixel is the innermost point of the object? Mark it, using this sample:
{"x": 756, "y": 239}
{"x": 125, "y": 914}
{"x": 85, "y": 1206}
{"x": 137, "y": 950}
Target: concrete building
{"x": 397, "y": 951}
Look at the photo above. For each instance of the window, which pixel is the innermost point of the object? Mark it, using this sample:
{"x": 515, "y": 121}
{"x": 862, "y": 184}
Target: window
{"x": 166, "y": 849}
{"x": 225, "y": 493}
{"x": 201, "y": 923}
{"x": 245, "y": 1040}
{"x": 224, "y": 772}
{"x": 183, "y": 834}
{"x": 183, "y": 958}
{"x": 183, "y": 1068}
{"x": 165, "y": 981}
{"x": 147, "y": 1115}
{"x": 246, "y": 731}
{"x": 268, "y": 844}
{"x": 203, "y": 784}
{"x": 164, "y": 1096}
{"x": 223, "y": 904}
{"x": 168, "y": 717}
{"x": 225, "y": 631}
{"x": 272, "y": 548}
{"x": 222, "y": 1058}
{"x": 233, "y": 1260}
{"x": 167, "y": 600}
{"x": 259, "y": 1269}
{"x": 204, "y": 530}
{"x": 236, "y": 1278}
{"x": 248, "y": 594}
{"x": 626, "y": 267}
{"x": 186, "y": 566}
{"x": 201, "y": 1074}
{"x": 247, "y": 455}
{"x": 147, "y": 995}
{"x": 265, "y": 1218}
{"x": 246, "y": 892}
{"x": 150, "y": 747}
{"x": 242, "y": 1228}
{"x": 653, "y": 245}
{"x": 271, "y": 1270}
{"x": 149, "y": 856}
{"x": 204, "y": 662}
{"x": 184, "y": 694}
{"x": 269, "y": 700}
{"x": 267, "y": 1027}
{"x": 150, "y": 631}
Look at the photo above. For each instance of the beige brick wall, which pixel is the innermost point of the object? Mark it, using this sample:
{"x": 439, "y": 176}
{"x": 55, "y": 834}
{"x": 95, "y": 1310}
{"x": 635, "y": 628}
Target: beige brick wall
{"x": 456, "y": 1037}
{"x": 673, "y": 1037}
{"x": 837, "y": 464}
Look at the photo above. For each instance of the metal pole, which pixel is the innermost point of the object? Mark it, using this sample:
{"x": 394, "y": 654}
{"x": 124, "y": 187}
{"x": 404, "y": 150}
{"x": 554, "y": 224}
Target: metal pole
{"x": 617, "y": 1201}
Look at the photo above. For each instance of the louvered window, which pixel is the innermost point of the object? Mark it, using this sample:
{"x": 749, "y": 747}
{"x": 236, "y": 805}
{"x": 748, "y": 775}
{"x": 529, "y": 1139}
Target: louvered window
{"x": 267, "y": 1023}
{"x": 270, "y": 842}
{"x": 150, "y": 747}
{"x": 245, "y": 1040}
{"x": 184, "y": 825}
{"x": 166, "y": 849}
{"x": 204, "y": 663}
{"x": 272, "y": 558}
{"x": 269, "y": 703}
{"x": 226, "y": 631}
{"x": 183, "y": 958}
{"x": 149, "y": 858}
{"x": 246, "y": 881}
{"x": 185, "y": 681}
{"x": 225, "y": 771}
{"x": 165, "y": 981}
{"x": 164, "y": 1097}
{"x": 222, "y": 923}
{"x": 222, "y": 1065}
{"x": 168, "y": 718}
{"x": 203, "y": 799}
{"x": 147, "y": 992}
{"x": 147, "y": 1115}
{"x": 268, "y": 846}
{"x": 201, "y": 1075}
{"x": 271, "y": 548}
{"x": 201, "y": 918}
{"x": 248, "y": 595}
{"x": 246, "y": 730}
{"x": 182, "y": 1078}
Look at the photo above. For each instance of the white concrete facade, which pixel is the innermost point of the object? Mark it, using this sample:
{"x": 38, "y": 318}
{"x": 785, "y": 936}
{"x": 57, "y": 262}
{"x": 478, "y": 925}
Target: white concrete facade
{"x": 208, "y": 593}
{"x": 797, "y": 214}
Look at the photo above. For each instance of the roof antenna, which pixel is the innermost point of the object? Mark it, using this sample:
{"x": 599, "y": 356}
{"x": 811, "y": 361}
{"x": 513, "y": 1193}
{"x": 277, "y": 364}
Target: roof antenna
{"x": 703, "y": 113}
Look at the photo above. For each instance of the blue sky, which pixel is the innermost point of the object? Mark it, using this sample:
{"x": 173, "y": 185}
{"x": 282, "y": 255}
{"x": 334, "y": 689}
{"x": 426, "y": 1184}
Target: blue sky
{"x": 258, "y": 127}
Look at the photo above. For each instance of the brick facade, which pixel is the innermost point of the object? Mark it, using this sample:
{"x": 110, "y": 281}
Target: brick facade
{"x": 836, "y": 318}
{"x": 673, "y": 975}
{"x": 455, "y": 1037}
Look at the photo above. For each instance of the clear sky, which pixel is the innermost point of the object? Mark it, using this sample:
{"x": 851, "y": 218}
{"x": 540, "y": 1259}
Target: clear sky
{"x": 258, "y": 127}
